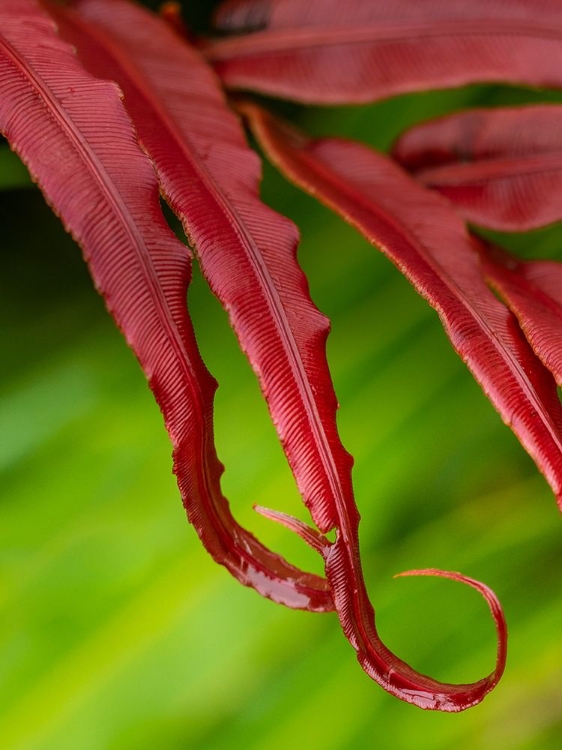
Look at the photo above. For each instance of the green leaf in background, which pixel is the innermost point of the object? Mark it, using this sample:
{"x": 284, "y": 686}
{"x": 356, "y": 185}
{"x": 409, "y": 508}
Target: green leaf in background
{"x": 118, "y": 632}
{"x": 12, "y": 172}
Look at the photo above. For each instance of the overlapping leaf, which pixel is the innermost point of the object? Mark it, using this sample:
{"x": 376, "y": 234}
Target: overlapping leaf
{"x": 422, "y": 235}
{"x": 78, "y": 142}
{"x": 428, "y": 242}
{"x": 331, "y": 52}
{"x": 533, "y": 290}
{"x": 246, "y": 250}
{"x": 502, "y": 168}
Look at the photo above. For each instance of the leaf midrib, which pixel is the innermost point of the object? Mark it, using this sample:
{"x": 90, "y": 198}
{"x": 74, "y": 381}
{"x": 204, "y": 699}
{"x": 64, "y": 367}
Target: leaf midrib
{"x": 491, "y": 168}
{"x": 280, "y": 40}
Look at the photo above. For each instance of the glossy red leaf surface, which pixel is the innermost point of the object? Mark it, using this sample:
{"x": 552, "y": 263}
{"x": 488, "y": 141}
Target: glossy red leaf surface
{"x": 502, "y": 168}
{"x": 422, "y": 235}
{"x": 75, "y": 136}
{"x": 533, "y": 290}
{"x": 247, "y": 251}
{"x": 334, "y": 52}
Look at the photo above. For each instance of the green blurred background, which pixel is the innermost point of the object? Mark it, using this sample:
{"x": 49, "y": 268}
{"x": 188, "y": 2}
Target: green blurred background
{"x": 118, "y": 632}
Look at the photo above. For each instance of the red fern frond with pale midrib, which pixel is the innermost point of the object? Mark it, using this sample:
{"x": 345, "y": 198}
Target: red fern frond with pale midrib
{"x": 74, "y": 134}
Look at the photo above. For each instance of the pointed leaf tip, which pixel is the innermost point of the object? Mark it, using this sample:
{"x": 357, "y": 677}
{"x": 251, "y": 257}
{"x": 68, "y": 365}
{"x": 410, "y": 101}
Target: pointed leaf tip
{"x": 491, "y": 600}
{"x": 317, "y": 541}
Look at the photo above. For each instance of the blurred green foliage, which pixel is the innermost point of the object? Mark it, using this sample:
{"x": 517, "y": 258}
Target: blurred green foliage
{"x": 118, "y": 632}
{"x": 12, "y": 172}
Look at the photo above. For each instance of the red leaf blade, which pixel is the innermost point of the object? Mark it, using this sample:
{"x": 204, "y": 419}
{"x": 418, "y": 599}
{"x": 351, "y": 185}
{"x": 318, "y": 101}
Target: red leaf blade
{"x": 246, "y": 250}
{"x": 533, "y": 291}
{"x": 501, "y": 168}
{"x": 332, "y": 52}
{"x": 77, "y": 139}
